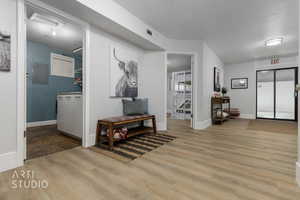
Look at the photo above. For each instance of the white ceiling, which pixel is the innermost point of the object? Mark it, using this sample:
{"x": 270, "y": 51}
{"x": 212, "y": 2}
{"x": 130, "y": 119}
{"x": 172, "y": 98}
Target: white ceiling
{"x": 235, "y": 29}
{"x": 68, "y": 36}
{"x": 178, "y": 62}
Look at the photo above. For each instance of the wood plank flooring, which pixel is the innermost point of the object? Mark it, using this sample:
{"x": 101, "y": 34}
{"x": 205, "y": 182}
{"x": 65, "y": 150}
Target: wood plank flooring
{"x": 45, "y": 140}
{"x": 229, "y": 162}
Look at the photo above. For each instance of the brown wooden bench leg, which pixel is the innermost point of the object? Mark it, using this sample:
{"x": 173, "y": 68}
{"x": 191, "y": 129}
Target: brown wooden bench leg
{"x": 110, "y": 138}
{"x": 98, "y": 133}
{"x": 154, "y": 125}
{"x": 142, "y": 123}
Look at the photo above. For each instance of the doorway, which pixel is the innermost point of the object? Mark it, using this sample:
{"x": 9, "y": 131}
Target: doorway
{"x": 179, "y": 90}
{"x": 276, "y": 96}
{"x": 54, "y": 82}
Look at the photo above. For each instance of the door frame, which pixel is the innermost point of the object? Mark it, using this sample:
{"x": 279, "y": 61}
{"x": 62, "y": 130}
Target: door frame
{"x": 21, "y": 72}
{"x": 296, "y": 95}
{"x": 194, "y": 59}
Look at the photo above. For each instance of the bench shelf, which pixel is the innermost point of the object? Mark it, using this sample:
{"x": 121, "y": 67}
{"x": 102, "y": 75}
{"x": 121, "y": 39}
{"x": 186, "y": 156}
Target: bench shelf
{"x": 114, "y": 122}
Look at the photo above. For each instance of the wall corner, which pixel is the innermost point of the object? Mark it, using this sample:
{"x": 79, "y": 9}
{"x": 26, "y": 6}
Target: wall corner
{"x": 201, "y": 125}
{"x": 298, "y": 173}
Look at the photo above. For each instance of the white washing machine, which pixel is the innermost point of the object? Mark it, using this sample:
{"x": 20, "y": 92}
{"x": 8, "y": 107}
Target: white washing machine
{"x": 70, "y": 114}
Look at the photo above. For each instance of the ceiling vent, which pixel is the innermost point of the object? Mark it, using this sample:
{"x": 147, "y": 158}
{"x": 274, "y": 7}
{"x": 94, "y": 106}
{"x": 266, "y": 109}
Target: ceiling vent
{"x": 45, "y": 20}
{"x": 149, "y": 32}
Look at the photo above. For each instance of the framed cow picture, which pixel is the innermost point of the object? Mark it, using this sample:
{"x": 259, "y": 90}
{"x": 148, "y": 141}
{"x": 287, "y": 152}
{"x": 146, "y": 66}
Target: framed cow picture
{"x": 5, "y": 62}
{"x": 123, "y": 73}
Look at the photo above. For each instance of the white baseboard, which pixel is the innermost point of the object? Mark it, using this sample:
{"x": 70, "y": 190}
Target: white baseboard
{"x": 200, "y": 125}
{"x": 161, "y": 126}
{"x": 247, "y": 116}
{"x": 92, "y": 140}
{"x": 42, "y": 123}
{"x": 8, "y": 161}
{"x": 298, "y": 173}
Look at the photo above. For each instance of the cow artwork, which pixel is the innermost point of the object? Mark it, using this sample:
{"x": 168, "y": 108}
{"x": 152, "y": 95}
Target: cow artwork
{"x": 4, "y": 52}
{"x": 124, "y": 76}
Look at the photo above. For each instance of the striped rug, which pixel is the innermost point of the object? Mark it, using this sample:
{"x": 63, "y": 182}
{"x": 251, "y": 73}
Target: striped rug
{"x": 135, "y": 147}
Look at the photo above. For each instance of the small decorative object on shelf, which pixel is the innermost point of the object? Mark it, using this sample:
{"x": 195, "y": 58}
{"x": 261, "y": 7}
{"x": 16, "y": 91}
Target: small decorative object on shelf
{"x": 78, "y": 78}
{"x": 78, "y": 81}
{"x": 224, "y": 91}
{"x": 217, "y": 94}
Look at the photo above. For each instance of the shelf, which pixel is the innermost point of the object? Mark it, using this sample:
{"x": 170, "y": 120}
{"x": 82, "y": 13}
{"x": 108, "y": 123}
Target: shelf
{"x": 217, "y": 105}
{"x": 132, "y": 132}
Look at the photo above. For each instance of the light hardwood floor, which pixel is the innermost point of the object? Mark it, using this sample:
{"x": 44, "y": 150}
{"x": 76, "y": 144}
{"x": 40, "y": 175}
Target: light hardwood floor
{"x": 229, "y": 162}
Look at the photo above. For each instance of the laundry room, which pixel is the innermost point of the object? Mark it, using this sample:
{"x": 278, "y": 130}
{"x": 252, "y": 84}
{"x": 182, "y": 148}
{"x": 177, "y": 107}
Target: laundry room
{"x": 54, "y": 83}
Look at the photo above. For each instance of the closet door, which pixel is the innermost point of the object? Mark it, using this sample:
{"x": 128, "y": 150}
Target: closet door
{"x": 265, "y": 94}
{"x": 276, "y": 94}
{"x": 285, "y": 95}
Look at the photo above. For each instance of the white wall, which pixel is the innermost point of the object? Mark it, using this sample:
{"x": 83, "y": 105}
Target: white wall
{"x": 101, "y": 105}
{"x": 151, "y": 79}
{"x": 210, "y": 60}
{"x": 169, "y": 93}
{"x": 8, "y": 90}
{"x": 245, "y": 99}
{"x": 153, "y": 85}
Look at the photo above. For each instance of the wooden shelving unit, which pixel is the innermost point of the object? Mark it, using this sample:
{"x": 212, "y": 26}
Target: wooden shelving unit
{"x": 218, "y": 104}
{"x": 182, "y": 95}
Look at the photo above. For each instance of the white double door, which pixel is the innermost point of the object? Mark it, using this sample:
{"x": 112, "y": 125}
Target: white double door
{"x": 276, "y": 94}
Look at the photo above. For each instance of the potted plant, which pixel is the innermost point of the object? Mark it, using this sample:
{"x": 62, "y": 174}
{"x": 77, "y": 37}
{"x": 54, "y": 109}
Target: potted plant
{"x": 224, "y": 91}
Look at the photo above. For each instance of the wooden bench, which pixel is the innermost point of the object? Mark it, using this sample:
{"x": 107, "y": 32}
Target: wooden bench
{"x": 114, "y": 122}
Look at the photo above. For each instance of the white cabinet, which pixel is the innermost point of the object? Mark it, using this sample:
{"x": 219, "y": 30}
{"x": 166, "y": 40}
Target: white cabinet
{"x": 70, "y": 114}
{"x": 62, "y": 66}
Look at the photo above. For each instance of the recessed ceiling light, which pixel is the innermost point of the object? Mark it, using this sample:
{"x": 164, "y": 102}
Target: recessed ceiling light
{"x": 274, "y": 42}
{"x": 53, "y": 33}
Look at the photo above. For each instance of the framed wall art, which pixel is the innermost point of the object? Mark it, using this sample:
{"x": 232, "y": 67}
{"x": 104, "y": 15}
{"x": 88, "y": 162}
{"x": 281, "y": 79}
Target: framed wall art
{"x": 5, "y": 62}
{"x": 123, "y": 74}
{"x": 217, "y": 81}
{"x": 239, "y": 83}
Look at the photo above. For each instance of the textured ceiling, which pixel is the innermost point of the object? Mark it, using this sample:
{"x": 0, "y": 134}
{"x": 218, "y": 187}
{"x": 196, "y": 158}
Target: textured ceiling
{"x": 235, "y": 29}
